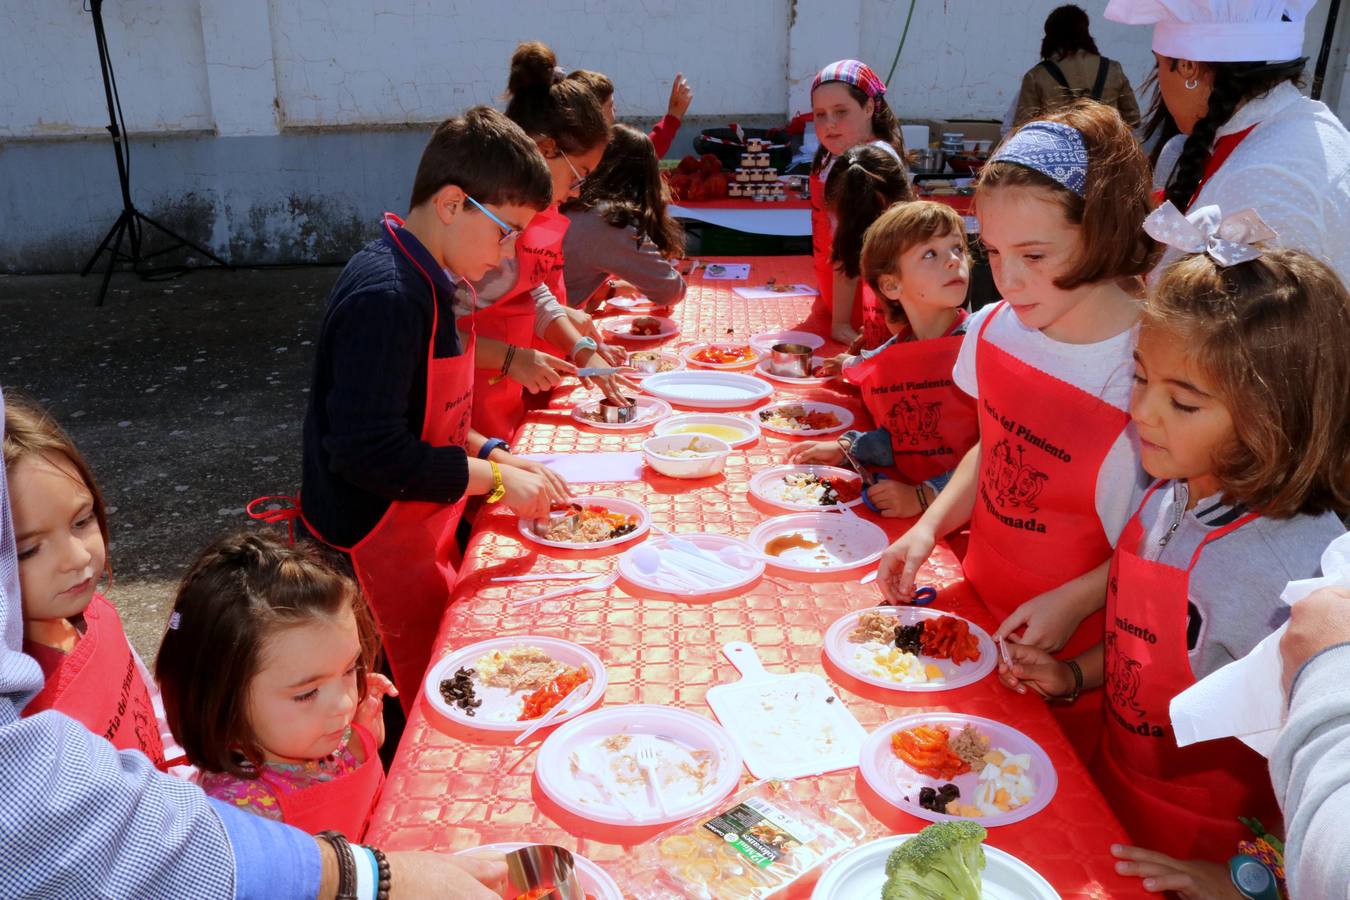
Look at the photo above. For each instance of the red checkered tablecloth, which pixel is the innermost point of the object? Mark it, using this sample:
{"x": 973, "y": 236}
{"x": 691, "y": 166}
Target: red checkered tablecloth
{"x": 450, "y": 789}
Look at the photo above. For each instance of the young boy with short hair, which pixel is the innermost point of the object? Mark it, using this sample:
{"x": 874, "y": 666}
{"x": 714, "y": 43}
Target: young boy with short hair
{"x": 389, "y": 457}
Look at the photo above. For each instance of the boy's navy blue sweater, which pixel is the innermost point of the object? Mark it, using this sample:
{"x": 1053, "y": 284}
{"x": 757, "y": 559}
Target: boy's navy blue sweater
{"x": 363, "y": 425}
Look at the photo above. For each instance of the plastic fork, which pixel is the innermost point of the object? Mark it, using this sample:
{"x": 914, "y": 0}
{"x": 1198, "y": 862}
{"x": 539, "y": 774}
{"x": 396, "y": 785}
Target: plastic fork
{"x": 647, "y": 758}
{"x": 598, "y": 584}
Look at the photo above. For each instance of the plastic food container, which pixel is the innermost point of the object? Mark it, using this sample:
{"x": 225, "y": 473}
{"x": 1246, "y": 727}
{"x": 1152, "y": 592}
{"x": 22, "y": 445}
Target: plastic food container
{"x": 658, "y": 453}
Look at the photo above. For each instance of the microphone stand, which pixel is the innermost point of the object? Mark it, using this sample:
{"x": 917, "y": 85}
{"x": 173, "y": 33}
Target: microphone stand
{"x": 130, "y": 223}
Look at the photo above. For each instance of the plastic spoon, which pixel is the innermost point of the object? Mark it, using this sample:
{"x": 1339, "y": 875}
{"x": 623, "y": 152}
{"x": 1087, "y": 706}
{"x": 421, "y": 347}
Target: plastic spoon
{"x": 544, "y": 576}
{"x": 648, "y": 562}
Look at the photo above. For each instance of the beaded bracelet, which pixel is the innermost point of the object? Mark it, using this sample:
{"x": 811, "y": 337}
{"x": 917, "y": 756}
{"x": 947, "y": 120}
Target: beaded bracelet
{"x": 382, "y": 888}
{"x": 346, "y": 864}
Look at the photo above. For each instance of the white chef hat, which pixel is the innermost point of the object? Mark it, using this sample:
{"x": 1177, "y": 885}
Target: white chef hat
{"x": 1219, "y": 30}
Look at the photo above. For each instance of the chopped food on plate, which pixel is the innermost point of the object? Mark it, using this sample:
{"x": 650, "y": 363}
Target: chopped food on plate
{"x": 1005, "y": 784}
{"x": 645, "y": 326}
{"x": 693, "y": 450}
{"x": 938, "y": 798}
{"x": 948, "y": 637}
{"x": 806, "y": 488}
{"x": 458, "y": 690}
{"x": 553, "y": 693}
{"x": 520, "y": 668}
{"x": 589, "y": 525}
{"x": 663, "y": 362}
{"x": 796, "y": 417}
{"x": 927, "y": 750}
{"x": 945, "y": 860}
{"x": 725, "y": 355}
{"x": 971, "y": 744}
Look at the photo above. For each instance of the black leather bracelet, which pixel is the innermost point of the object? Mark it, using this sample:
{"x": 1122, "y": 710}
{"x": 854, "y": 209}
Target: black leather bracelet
{"x": 510, "y": 357}
{"x": 346, "y": 864}
{"x": 1077, "y": 671}
{"x": 382, "y": 862}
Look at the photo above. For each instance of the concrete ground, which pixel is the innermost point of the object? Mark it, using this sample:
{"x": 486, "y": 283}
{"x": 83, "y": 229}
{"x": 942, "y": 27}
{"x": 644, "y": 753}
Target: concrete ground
{"x": 186, "y": 396}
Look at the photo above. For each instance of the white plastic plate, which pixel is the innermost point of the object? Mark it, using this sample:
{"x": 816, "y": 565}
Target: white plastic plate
{"x": 768, "y": 486}
{"x": 677, "y": 424}
{"x": 843, "y": 652}
{"x": 842, "y": 415}
{"x": 650, "y": 411}
{"x": 617, "y": 504}
{"x": 861, "y": 873}
{"x": 845, "y": 541}
{"x": 500, "y": 706}
{"x": 707, "y": 390}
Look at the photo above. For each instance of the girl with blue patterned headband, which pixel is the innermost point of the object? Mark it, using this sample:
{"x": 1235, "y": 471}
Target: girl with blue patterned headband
{"x": 848, "y": 105}
{"x": 1054, "y": 478}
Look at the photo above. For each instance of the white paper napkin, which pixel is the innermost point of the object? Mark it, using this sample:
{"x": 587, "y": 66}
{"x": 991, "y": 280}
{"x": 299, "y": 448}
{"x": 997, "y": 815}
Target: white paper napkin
{"x": 589, "y": 468}
{"x": 1245, "y": 699}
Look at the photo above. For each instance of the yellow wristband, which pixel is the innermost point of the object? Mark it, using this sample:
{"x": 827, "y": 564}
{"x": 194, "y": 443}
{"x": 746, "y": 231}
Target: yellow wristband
{"x": 498, "y": 488}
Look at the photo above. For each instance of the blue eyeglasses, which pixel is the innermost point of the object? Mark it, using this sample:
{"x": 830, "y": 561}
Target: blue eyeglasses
{"x": 508, "y": 231}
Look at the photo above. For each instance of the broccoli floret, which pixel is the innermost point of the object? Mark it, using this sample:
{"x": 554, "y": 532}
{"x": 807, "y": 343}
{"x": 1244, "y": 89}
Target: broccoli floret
{"x": 943, "y": 862}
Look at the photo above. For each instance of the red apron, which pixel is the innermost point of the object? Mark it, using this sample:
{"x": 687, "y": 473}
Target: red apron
{"x": 407, "y": 563}
{"x": 1184, "y": 802}
{"x": 822, "y": 239}
{"x": 874, "y": 329}
{"x": 99, "y": 685}
{"x": 499, "y": 407}
{"x": 342, "y": 804}
{"x": 909, "y": 391}
{"x": 1035, "y": 524}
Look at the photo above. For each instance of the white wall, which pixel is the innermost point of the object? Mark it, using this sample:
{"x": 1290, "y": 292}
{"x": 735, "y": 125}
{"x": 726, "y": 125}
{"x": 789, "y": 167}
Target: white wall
{"x": 51, "y": 85}
{"x": 250, "y": 67}
{"x": 966, "y": 59}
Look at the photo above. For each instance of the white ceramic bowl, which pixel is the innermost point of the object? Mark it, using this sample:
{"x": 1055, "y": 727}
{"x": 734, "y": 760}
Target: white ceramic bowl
{"x": 657, "y": 452}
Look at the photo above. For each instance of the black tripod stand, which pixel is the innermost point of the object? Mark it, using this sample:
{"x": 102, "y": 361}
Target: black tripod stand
{"x": 130, "y": 223}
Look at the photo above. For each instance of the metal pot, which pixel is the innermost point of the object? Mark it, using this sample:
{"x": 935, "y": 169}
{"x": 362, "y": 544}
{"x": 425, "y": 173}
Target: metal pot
{"x": 540, "y": 866}
{"x": 618, "y": 414}
{"x": 790, "y": 360}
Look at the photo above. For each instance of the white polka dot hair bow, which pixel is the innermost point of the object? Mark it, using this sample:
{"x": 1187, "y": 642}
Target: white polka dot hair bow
{"x": 1228, "y": 240}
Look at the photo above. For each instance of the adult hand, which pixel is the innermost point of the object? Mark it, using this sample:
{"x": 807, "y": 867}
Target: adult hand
{"x": 558, "y": 486}
{"x": 895, "y": 499}
{"x": 537, "y": 371}
{"x": 681, "y": 95}
{"x": 1316, "y": 622}
{"x": 1048, "y": 620}
{"x": 1190, "y": 879}
{"x": 370, "y": 714}
{"x": 901, "y": 561}
{"x": 1033, "y": 668}
{"x": 417, "y": 874}
{"x": 529, "y": 494}
{"x": 826, "y": 453}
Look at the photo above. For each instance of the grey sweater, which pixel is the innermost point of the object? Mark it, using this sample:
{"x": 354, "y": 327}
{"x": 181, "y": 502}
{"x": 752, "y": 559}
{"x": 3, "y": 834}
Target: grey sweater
{"x": 1311, "y": 773}
{"x": 594, "y": 249}
{"x": 1235, "y": 587}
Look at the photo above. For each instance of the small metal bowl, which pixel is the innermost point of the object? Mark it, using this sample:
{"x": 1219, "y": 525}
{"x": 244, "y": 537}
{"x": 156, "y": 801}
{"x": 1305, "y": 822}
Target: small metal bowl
{"x": 618, "y": 414}
{"x": 790, "y": 360}
{"x": 646, "y": 364}
{"x": 543, "y": 526}
{"x": 541, "y": 865}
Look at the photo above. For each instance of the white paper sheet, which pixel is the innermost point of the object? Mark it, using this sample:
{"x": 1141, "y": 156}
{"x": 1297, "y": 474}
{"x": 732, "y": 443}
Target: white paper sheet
{"x": 726, "y": 272}
{"x": 590, "y": 468}
{"x": 1245, "y": 699}
{"x": 759, "y": 293}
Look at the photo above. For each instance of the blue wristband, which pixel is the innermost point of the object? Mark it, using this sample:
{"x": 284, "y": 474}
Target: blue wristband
{"x": 586, "y": 343}
{"x": 492, "y": 444}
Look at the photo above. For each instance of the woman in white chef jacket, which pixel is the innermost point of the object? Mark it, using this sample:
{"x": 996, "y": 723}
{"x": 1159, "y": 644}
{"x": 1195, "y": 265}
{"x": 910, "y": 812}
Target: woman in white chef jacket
{"x": 1228, "y": 73}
